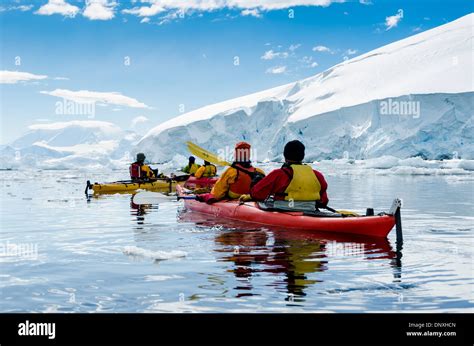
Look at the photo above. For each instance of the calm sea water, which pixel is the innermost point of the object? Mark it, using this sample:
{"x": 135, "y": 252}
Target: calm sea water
{"x": 60, "y": 252}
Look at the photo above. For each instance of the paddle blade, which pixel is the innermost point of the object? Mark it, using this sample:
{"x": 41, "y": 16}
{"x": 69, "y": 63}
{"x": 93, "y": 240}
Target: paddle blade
{"x": 149, "y": 197}
{"x": 347, "y": 213}
{"x": 202, "y": 153}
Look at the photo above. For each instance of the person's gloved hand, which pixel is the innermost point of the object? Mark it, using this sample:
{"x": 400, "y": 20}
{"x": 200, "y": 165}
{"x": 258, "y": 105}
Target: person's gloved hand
{"x": 245, "y": 198}
{"x": 206, "y": 197}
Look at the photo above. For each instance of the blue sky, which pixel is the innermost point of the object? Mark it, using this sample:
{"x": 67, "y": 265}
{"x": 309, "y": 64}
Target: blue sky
{"x": 154, "y": 59}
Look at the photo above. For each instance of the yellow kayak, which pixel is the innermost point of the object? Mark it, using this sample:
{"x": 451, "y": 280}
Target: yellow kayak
{"x": 161, "y": 185}
{"x": 129, "y": 186}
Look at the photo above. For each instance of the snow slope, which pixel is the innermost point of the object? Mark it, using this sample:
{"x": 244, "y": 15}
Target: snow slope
{"x": 340, "y": 112}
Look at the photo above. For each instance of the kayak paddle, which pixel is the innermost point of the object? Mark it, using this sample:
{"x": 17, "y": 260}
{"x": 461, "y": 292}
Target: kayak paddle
{"x": 213, "y": 158}
{"x": 149, "y": 197}
{"x": 206, "y": 155}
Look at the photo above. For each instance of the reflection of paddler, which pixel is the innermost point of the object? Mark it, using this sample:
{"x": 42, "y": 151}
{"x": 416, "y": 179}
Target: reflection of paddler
{"x": 139, "y": 210}
{"x": 241, "y": 256}
{"x": 298, "y": 259}
{"x": 294, "y": 258}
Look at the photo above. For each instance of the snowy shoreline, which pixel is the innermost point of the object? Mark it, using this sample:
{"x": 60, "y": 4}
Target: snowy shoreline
{"x": 385, "y": 165}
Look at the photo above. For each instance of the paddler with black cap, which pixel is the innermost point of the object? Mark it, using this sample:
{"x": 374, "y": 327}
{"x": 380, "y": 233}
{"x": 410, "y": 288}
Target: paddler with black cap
{"x": 139, "y": 171}
{"x": 294, "y": 182}
{"x": 192, "y": 167}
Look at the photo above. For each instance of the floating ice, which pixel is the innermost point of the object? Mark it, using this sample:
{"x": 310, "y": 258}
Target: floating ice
{"x": 156, "y": 255}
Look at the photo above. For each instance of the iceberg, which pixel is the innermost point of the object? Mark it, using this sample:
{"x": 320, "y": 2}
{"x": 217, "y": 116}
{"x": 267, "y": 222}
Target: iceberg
{"x": 410, "y": 98}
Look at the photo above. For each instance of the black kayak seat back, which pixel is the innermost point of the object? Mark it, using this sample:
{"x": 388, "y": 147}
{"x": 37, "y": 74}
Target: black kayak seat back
{"x": 308, "y": 208}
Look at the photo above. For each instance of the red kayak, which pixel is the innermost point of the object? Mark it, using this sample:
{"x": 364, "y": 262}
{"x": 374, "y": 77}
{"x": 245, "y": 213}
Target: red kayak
{"x": 249, "y": 212}
{"x": 196, "y": 183}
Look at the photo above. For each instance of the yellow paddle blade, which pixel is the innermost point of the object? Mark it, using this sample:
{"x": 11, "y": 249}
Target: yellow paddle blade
{"x": 196, "y": 150}
{"x": 347, "y": 213}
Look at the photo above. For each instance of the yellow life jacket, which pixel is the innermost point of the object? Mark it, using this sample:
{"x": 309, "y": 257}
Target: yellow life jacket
{"x": 210, "y": 171}
{"x": 191, "y": 169}
{"x": 304, "y": 186}
{"x": 148, "y": 171}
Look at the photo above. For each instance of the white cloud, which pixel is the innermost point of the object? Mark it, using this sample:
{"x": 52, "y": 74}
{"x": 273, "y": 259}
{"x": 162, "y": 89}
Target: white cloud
{"x": 251, "y": 12}
{"x": 171, "y": 16}
{"x": 22, "y": 8}
{"x": 307, "y": 61}
{"x": 365, "y": 2}
{"x": 139, "y": 120}
{"x": 99, "y": 9}
{"x": 105, "y": 9}
{"x": 13, "y": 77}
{"x": 248, "y": 7}
{"x": 351, "y": 51}
{"x": 321, "y": 49}
{"x": 58, "y": 7}
{"x": 294, "y": 47}
{"x": 392, "y": 21}
{"x": 276, "y": 69}
{"x": 86, "y": 96}
{"x": 145, "y": 20}
{"x": 270, "y": 55}
{"x": 145, "y": 11}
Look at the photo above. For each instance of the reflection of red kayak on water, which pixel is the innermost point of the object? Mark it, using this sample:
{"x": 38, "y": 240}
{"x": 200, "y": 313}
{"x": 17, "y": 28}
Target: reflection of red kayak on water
{"x": 378, "y": 247}
{"x": 374, "y": 226}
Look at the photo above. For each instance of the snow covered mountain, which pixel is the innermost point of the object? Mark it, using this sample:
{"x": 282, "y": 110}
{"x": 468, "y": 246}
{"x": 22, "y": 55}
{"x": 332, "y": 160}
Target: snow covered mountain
{"x": 69, "y": 145}
{"x": 413, "y": 97}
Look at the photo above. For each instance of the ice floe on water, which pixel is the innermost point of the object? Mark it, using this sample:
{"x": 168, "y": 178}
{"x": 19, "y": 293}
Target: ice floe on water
{"x": 387, "y": 165}
{"x": 162, "y": 277}
{"x": 157, "y": 255}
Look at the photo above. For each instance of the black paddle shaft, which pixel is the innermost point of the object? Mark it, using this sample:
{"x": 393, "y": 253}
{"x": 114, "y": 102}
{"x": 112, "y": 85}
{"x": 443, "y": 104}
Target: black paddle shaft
{"x": 88, "y": 185}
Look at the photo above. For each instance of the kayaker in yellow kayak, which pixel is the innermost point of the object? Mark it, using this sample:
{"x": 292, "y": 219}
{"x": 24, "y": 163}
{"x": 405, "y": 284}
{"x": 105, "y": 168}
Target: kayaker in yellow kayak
{"x": 140, "y": 171}
{"x": 294, "y": 182}
{"x": 192, "y": 167}
{"x": 237, "y": 179}
{"x": 207, "y": 170}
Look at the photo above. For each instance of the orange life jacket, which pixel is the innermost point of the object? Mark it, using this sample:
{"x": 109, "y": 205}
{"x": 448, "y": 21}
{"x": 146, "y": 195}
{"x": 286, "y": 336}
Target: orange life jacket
{"x": 243, "y": 181}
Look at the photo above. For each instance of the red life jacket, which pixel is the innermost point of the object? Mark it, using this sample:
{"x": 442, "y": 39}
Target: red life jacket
{"x": 242, "y": 184}
{"x": 135, "y": 171}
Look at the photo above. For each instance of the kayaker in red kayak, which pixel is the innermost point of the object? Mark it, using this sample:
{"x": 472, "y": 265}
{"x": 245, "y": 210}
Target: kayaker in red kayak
{"x": 207, "y": 170}
{"x": 294, "y": 182}
{"x": 237, "y": 179}
{"x": 139, "y": 171}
